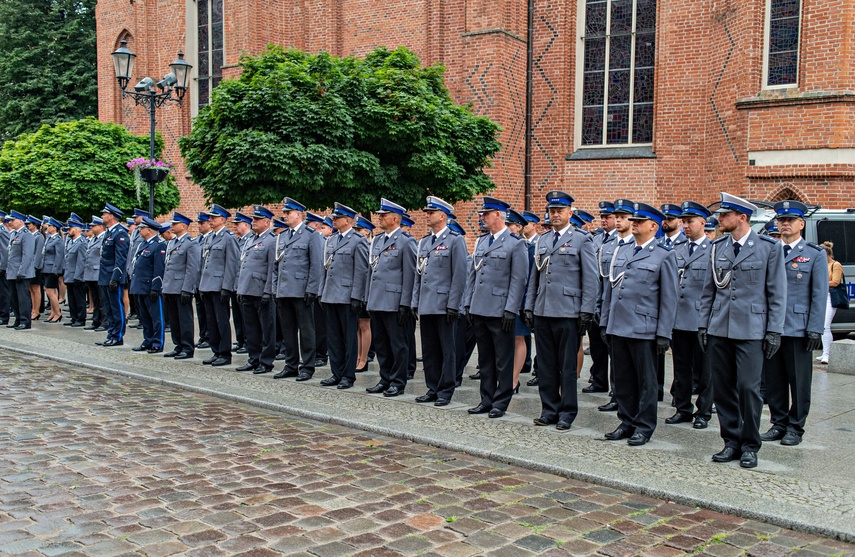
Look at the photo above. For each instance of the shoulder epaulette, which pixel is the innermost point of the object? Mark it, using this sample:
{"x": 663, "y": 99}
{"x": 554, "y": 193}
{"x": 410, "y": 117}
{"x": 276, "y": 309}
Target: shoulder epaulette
{"x": 815, "y": 246}
{"x": 585, "y": 232}
{"x": 429, "y": 234}
{"x": 517, "y": 236}
{"x": 310, "y": 229}
{"x": 663, "y": 246}
{"x": 450, "y": 233}
{"x": 717, "y": 240}
{"x": 484, "y": 234}
{"x": 769, "y": 239}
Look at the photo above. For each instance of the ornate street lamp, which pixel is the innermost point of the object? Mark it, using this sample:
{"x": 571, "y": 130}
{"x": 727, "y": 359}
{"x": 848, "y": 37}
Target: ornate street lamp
{"x": 146, "y": 94}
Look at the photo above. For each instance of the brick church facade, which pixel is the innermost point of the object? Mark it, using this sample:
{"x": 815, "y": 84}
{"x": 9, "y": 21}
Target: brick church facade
{"x": 655, "y": 100}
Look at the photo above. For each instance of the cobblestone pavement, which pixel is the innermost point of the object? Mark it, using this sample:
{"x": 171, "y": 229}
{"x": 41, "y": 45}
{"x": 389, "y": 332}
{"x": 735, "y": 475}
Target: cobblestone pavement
{"x": 100, "y": 465}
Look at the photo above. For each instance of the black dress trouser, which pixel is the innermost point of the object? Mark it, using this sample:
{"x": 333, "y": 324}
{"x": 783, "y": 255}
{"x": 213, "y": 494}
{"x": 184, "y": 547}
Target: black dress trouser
{"x": 218, "y": 326}
{"x": 736, "y": 369}
{"x": 636, "y": 385}
{"x": 391, "y": 343}
{"x": 259, "y": 322}
{"x": 297, "y": 324}
{"x": 22, "y": 302}
{"x": 690, "y": 364}
{"x": 5, "y": 297}
{"x": 342, "y": 343}
{"x": 496, "y": 358}
{"x": 76, "y": 294}
{"x": 557, "y": 342}
{"x": 439, "y": 354}
{"x": 789, "y": 375}
{"x": 180, "y": 323}
{"x": 600, "y": 357}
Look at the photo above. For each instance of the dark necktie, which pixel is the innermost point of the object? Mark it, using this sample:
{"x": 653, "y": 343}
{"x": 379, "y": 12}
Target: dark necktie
{"x": 555, "y": 238}
{"x": 291, "y": 234}
{"x": 636, "y": 250}
{"x": 787, "y": 250}
{"x": 490, "y": 241}
{"x": 668, "y": 242}
{"x": 622, "y": 243}
{"x": 692, "y": 247}
{"x": 433, "y": 239}
{"x": 736, "y": 248}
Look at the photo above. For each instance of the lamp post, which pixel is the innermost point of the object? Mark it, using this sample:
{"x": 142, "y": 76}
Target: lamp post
{"x": 146, "y": 94}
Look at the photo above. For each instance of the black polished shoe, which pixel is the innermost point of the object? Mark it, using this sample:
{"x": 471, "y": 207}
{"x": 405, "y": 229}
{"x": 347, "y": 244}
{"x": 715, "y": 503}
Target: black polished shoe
{"x": 476, "y": 375}
{"x": 532, "y": 382}
{"x": 320, "y": 362}
{"x": 330, "y": 381}
{"x": 344, "y": 384}
{"x": 140, "y": 348}
{"x": 678, "y": 418}
{"x": 563, "y": 425}
{"x": 27, "y": 327}
{"x": 279, "y": 357}
{"x": 378, "y": 388}
{"x": 209, "y": 361}
{"x": 496, "y": 413}
{"x": 247, "y": 367}
{"x": 426, "y": 398}
{"x": 203, "y": 344}
{"x": 619, "y": 433}
{"x": 362, "y": 369}
{"x": 262, "y": 369}
{"x": 637, "y": 439}
{"x": 221, "y": 361}
{"x": 748, "y": 460}
{"x": 241, "y": 350}
{"x": 726, "y": 455}
{"x": 441, "y": 402}
{"x": 154, "y": 350}
{"x": 303, "y": 376}
{"x": 608, "y": 407}
{"x": 791, "y": 439}
{"x": 172, "y": 353}
{"x": 285, "y": 373}
{"x": 184, "y": 356}
{"x": 774, "y": 434}
{"x": 541, "y": 421}
{"x": 78, "y": 324}
{"x": 100, "y": 328}
{"x": 700, "y": 423}
{"x": 480, "y": 409}
{"x": 393, "y": 391}
{"x": 593, "y": 389}
{"x": 112, "y": 342}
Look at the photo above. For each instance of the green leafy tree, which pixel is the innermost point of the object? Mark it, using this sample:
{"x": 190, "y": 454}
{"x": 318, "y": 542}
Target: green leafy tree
{"x": 77, "y": 166}
{"x": 321, "y": 129}
{"x": 47, "y": 63}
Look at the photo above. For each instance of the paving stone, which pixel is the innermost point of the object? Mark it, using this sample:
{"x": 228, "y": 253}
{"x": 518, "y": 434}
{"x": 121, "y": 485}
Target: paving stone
{"x": 335, "y": 549}
{"x": 535, "y": 543}
{"x": 413, "y": 544}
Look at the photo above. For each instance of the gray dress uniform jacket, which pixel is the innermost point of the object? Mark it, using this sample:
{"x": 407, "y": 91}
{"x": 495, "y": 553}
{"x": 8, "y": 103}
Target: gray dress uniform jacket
{"x": 135, "y": 241}
{"x": 5, "y": 235}
{"x": 54, "y": 255}
{"x": 679, "y": 240}
{"x": 346, "y": 269}
{"x": 441, "y": 274}
{"x": 181, "y": 273}
{"x": 39, "y": 244}
{"x": 299, "y": 263}
{"x": 393, "y": 268}
{"x": 258, "y": 264}
{"x": 640, "y": 300}
{"x": 221, "y": 262}
{"x": 75, "y": 253}
{"x": 744, "y": 296}
{"x": 564, "y": 279}
{"x": 807, "y": 290}
{"x": 93, "y": 258}
{"x": 498, "y": 273}
{"x": 22, "y": 255}
{"x": 692, "y": 271}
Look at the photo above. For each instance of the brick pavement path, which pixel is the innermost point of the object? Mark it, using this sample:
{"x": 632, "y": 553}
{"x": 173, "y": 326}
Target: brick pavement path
{"x": 100, "y": 465}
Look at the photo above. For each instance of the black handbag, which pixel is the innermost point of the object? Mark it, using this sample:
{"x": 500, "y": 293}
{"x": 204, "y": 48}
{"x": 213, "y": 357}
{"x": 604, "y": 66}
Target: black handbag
{"x": 840, "y": 295}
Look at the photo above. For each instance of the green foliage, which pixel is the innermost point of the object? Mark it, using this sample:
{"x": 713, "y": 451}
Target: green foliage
{"x": 47, "y": 63}
{"x": 321, "y": 129}
{"x": 77, "y": 166}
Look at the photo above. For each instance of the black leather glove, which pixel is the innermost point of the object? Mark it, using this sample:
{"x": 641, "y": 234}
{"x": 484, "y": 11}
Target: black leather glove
{"x": 813, "y": 342}
{"x": 662, "y": 345}
{"x": 153, "y": 296}
{"x": 114, "y": 286}
{"x": 356, "y": 305}
{"x": 604, "y": 336}
{"x": 309, "y": 299}
{"x": 528, "y": 317}
{"x": 403, "y": 313}
{"x": 585, "y": 321}
{"x": 266, "y": 299}
{"x": 415, "y": 313}
{"x": 702, "y": 339}
{"x": 240, "y": 299}
{"x": 186, "y": 297}
{"x": 771, "y": 344}
{"x": 596, "y": 320}
{"x": 225, "y": 296}
{"x": 509, "y": 320}
{"x": 19, "y": 278}
{"x": 451, "y": 315}
{"x": 469, "y": 317}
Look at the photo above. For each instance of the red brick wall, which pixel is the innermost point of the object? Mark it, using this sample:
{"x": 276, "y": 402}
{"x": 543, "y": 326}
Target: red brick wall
{"x": 710, "y": 108}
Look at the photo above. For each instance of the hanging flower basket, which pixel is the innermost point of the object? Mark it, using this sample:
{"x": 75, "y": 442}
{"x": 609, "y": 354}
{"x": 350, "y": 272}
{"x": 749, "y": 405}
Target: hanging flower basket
{"x": 153, "y": 175}
{"x": 149, "y": 171}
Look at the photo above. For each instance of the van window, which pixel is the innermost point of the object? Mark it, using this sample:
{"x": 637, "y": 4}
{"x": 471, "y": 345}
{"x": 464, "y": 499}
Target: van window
{"x": 842, "y": 234}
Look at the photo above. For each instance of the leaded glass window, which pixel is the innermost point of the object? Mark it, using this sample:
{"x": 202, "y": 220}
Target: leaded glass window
{"x": 209, "y": 34}
{"x": 618, "y": 64}
{"x": 782, "y": 63}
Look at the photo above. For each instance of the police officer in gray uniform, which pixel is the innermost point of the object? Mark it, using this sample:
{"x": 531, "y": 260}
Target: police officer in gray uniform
{"x": 343, "y": 293}
{"x": 180, "y": 279}
{"x": 790, "y": 370}
{"x": 599, "y": 351}
{"x": 255, "y": 292}
{"x": 243, "y": 232}
{"x": 5, "y": 292}
{"x": 74, "y": 264}
{"x": 220, "y": 261}
{"x": 690, "y": 364}
{"x": 639, "y": 309}
{"x": 742, "y": 318}
{"x": 559, "y": 307}
{"x": 20, "y": 270}
{"x": 392, "y": 263}
{"x": 296, "y": 285}
{"x": 91, "y": 270}
{"x": 498, "y": 276}
{"x": 440, "y": 282}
